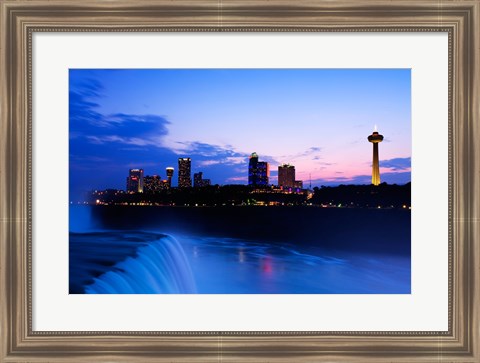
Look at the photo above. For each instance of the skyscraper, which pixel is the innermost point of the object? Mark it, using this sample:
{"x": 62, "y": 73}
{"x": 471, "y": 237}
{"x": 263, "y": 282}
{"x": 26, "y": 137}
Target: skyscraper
{"x": 258, "y": 171}
{"x": 135, "y": 181}
{"x": 375, "y": 138}
{"x": 286, "y": 176}
{"x": 197, "y": 179}
{"x": 169, "y": 176}
{"x": 152, "y": 184}
{"x": 184, "y": 173}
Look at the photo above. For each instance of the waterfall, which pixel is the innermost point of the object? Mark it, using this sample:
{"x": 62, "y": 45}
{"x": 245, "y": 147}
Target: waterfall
{"x": 160, "y": 267}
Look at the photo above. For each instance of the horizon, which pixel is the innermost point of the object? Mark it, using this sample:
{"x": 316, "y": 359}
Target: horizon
{"x": 317, "y": 120}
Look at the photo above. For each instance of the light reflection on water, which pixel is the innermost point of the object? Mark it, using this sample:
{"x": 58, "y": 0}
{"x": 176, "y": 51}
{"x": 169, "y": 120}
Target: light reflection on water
{"x": 226, "y": 265}
{"x": 222, "y": 265}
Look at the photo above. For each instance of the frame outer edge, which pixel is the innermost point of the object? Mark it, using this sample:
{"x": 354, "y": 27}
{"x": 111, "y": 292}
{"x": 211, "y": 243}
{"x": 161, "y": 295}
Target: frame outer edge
{"x": 7, "y": 218}
{"x": 474, "y": 108}
{"x": 3, "y": 185}
{"x": 14, "y": 217}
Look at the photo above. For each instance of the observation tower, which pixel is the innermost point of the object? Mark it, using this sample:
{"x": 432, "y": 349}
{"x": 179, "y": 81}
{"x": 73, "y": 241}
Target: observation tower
{"x": 375, "y": 138}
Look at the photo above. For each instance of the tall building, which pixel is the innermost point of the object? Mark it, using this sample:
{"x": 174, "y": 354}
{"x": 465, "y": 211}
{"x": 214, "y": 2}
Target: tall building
{"x": 258, "y": 171}
{"x": 198, "y": 180}
{"x": 169, "y": 176}
{"x": 184, "y": 173}
{"x": 154, "y": 184}
{"x": 375, "y": 138}
{"x": 135, "y": 181}
{"x": 286, "y": 176}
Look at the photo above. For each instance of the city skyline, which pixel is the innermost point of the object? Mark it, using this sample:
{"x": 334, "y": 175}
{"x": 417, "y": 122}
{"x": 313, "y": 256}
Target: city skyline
{"x": 316, "y": 120}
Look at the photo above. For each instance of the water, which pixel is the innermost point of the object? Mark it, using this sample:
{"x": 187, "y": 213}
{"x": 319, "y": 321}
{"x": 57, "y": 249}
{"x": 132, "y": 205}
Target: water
{"x": 159, "y": 267}
{"x": 168, "y": 257}
{"x": 233, "y": 266}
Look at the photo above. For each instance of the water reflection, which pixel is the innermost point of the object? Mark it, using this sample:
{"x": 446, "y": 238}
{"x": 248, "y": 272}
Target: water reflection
{"x": 241, "y": 255}
{"x": 122, "y": 261}
{"x": 227, "y": 265}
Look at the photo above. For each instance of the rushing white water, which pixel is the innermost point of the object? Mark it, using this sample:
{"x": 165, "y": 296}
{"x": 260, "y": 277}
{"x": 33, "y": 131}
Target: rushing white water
{"x": 157, "y": 268}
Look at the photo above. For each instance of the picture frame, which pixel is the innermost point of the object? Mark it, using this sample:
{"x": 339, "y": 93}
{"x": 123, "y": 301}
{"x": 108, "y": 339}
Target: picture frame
{"x": 20, "y": 19}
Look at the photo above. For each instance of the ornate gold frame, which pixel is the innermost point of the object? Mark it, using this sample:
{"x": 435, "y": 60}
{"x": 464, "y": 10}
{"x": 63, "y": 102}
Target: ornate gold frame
{"x": 19, "y": 19}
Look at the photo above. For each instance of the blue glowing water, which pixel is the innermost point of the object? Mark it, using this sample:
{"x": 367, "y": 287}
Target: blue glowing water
{"x": 160, "y": 267}
{"x": 106, "y": 261}
{"x": 233, "y": 266}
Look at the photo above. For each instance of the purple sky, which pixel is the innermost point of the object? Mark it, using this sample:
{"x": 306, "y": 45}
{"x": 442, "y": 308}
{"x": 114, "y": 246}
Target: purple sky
{"x": 315, "y": 119}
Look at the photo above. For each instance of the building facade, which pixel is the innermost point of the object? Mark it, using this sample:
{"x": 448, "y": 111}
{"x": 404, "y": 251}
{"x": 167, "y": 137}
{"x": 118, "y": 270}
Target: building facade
{"x": 184, "y": 173}
{"x": 154, "y": 184}
{"x": 258, "y": 171}
{"x": 286, "y": 176}
{"x": 135, "y": 181}
{"x": 298, "y": 184}
{"x": 170, "y": 171}
{"x": 198, "y": 180}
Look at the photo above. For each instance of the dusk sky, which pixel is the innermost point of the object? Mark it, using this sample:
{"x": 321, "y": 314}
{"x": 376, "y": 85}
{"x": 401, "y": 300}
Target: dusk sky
{"x": 316, "y": 119}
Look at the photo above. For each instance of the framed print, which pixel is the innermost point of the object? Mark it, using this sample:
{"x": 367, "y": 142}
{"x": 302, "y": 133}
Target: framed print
{"x": 221, "y": 207}
{"x": 239, "y": 181}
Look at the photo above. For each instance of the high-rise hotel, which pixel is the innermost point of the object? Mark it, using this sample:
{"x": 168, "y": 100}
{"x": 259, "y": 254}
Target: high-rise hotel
{"x": 184, "y": 173}
{"x": 135, "y": 181}
{"x": 258, "y": 171}
{"x": 286, "y": 176}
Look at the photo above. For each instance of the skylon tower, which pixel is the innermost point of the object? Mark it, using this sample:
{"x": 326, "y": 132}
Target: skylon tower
{"x": 375, "y": 138}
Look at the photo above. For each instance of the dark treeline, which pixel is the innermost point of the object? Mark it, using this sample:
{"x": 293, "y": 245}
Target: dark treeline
{"x": 355, "y": 196}
{"x": 383, "y": 195}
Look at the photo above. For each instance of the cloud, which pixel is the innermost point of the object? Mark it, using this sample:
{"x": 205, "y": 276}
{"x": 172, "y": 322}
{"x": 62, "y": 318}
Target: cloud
{"x": 209, "y": 154}
{"x": 88, "y": 158}
{"x": 99, "y": 140}
{"x": 204, "y": 149}
{"x": 98, "y": 128}
{"x": 243, "y": 179}
{"x": 390, "y": 178}
{"x": 208, "y": 162}
{"x": 229, "y": 160}
{"x": 397, "y": 164}
{"x": 311, "y": 151}
{"x": 270, "y": 159}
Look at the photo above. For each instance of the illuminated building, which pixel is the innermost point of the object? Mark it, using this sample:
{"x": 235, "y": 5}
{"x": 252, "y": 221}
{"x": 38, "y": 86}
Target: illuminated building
{"x": 184, "y": 173}
{"x": 153, "y": 184}
{"x": 375, "y": 138}
{"x": 198, "y": 180}
{"x": 135, "y": 181}
{"x": 258, "y": 171}
{"x": 286, "y": 176}
{"x": 298, "y": 184}
{"x": 169, "y": 176}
